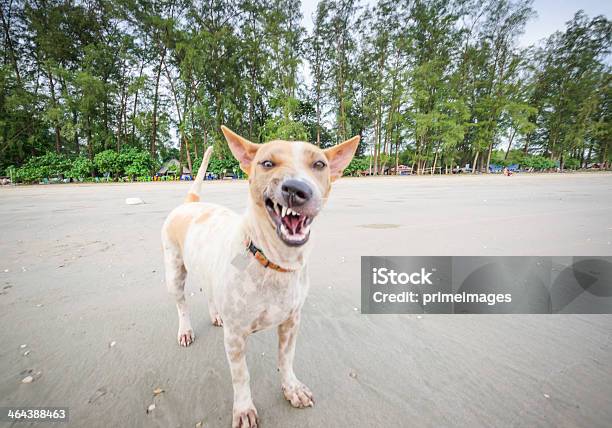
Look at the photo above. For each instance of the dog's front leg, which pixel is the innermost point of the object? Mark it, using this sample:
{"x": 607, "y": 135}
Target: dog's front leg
{"x": 244, "y": 414}
{"x": 295, "y": 391}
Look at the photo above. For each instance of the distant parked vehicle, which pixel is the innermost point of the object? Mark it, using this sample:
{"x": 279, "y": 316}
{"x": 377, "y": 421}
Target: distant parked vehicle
{"x": 595, "y": 166}
{"x": 401, "y": 170}
{"x": 466, "y": 169}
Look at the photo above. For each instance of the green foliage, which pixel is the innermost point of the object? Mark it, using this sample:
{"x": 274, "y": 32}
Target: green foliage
{"x": 498, "y": 158}
{"x": 81, "y": 167}
{"x": 538, "y": 163}
{"x": 174, "y": 169}
{"x": 515, "y": 157}
{"x": 135, "y": 163}
{"x": 220, "y": 167}
{"x": 130, "y": 162}
{"x": 284, "y": 129}
{"x": 436, "y": 81}
{"x": 571, "y": 163}
{"x": 356, "y": 165}
{"x": 107, "y": 162}
{"x": 223, "y": 166}
{"x": 50, "y": 165}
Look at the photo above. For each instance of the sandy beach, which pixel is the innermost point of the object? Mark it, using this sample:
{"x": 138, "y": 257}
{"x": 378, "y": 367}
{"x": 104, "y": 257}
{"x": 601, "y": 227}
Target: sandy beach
{"x": 81, "y": 270}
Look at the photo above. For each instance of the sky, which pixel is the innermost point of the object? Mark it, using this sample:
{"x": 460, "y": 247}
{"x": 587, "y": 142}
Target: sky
{"x": 551, "y": 15}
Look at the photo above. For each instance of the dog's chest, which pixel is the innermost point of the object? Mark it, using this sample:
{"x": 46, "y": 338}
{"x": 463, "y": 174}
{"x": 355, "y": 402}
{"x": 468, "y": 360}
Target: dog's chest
{"x": 259, "y": 298}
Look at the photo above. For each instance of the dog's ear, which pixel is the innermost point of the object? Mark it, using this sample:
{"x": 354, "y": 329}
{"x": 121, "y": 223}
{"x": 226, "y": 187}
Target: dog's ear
{"x": 243, "y": 150}
{"x": 340, "y": 156}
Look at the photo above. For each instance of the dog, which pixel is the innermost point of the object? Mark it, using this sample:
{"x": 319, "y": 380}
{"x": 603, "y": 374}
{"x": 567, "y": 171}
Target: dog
{"x": 254, "y": 267}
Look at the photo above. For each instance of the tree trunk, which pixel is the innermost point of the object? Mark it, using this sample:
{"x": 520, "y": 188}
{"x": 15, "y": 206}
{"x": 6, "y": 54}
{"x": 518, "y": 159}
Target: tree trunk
{"x": 120, "y": 123}
{"x": 509, "y": 144}
{"x": 588, "y": 157}
{"x": 397, "y": 157}
{"x": 75, "y": 119}
{"x": 193, "y": 135}
{"x": 318, "y": 112}
{"x": 9, "y": 43}
{"x": 136, "y": 102}
{"x": 155, "y": 105}
{"x": 433, "y": 168}
{"x": 58, "y": 138}
{"x": 188, "y": 155}
{"x": 489, "y": 158}
{"x": 89, "y": 145}
{"x": 376, "y": 130}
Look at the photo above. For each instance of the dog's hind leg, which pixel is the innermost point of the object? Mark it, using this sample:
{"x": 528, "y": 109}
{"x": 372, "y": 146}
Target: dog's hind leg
{"x": 175, "y": 281}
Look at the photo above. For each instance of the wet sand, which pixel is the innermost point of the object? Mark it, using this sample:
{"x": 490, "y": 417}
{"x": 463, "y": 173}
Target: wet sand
{"x": 81, "y": 269}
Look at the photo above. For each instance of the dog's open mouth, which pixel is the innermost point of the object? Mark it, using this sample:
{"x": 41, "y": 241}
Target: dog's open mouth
{"x": 292, "y": 227}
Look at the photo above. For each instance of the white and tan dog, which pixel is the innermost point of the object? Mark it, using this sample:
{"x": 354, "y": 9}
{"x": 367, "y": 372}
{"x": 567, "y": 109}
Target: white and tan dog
{"x": 253, "y": 267}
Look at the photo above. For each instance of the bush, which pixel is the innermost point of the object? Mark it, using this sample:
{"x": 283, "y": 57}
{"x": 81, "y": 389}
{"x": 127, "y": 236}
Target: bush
{"x": 220, "y": 166}
{"x": 135, "y": 163}
{"x": 80, "y": 169}
{"x": 497, "y": 158}
{"x": 129, "y": 161}
{"x": 174, "y": 169}
{"x": 107, "y": 162}
{"x": 538, "y": 162}
{"x": 356, "y": 165}
{"x": 49, "y": 165}
{"x": 571, "y": 163}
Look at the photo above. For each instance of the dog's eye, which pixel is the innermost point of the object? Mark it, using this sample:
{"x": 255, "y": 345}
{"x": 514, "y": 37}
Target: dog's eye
{"x": 267, "y": 164}
{"x": 319, "y": 165}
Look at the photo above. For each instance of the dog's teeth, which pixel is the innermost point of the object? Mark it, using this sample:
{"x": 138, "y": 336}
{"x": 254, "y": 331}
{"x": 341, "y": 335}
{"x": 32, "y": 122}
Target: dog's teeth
{"x": 284, "y": 211}
{"x": 290, "y": 211}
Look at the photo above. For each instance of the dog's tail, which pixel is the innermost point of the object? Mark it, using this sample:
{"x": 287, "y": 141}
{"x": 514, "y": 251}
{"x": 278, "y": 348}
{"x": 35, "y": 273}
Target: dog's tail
{"x": 194, "y": 192}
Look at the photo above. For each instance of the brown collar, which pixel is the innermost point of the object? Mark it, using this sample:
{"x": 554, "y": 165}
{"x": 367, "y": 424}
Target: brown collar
{"x": 262, "y": 259}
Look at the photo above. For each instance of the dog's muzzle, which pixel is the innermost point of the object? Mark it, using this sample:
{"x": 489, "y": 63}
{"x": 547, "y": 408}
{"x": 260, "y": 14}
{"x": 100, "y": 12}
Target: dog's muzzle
{"x": 292, "y": 211}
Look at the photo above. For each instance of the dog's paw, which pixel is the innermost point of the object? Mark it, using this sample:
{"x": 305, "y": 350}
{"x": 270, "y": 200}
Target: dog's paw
{"x": 246, "y": 418}
{"x": 216, "y": 320}
{"x": 186, "y": 338}
{"x": 298, "y": 395}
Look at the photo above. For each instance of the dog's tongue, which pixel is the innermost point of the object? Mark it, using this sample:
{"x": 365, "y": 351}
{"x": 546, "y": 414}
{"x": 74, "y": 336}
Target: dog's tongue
{"x": 293, "y": 223}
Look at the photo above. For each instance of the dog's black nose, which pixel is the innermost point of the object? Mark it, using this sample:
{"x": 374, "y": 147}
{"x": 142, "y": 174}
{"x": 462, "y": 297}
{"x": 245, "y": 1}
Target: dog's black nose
{"x": 296, "y": 192}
